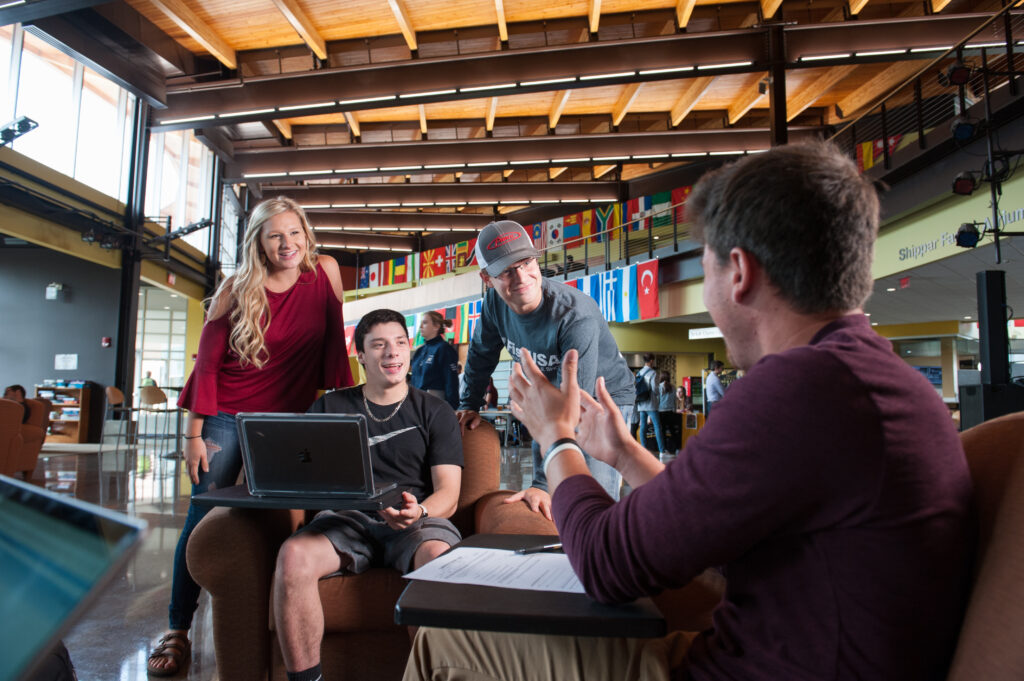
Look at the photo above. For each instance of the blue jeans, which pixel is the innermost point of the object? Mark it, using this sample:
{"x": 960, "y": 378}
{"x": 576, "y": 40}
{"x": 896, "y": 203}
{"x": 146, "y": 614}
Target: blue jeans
{"x": 656, "y": 422}
{"x": 606, "y": 476}
{"x": 225, "y": 459}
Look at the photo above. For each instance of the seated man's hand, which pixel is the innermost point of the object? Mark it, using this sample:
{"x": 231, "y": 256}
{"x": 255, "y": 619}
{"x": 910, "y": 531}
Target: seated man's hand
{"x": 403, "y": 517}
{"x": 538, "y": 500}
{"x": 467, "y": 419}
{"x": 549, "y": 413}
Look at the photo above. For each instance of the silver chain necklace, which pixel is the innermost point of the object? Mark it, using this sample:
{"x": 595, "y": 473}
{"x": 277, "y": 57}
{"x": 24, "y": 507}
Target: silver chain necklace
{"x": 389, "y": 416}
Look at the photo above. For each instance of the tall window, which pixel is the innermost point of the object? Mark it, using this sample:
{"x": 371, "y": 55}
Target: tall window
{"x": 228, "y": 234}
{"x": 178, "y": 186}
{"x": 84, "y": 119}
{"x": 46, "y": 94}
{"x": 160, "y": 340}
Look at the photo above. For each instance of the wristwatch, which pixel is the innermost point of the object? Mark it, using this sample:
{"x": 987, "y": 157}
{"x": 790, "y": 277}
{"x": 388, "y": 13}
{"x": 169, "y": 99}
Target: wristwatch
{"x": 424, "y": 509}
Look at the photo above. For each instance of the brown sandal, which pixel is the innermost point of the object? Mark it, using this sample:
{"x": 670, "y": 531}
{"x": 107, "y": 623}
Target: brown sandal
{"x": 173, "y": 646}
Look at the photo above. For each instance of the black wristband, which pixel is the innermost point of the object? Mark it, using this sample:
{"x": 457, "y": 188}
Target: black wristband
{"x": 191, "y": 437}
{"x": 560, "y": 441}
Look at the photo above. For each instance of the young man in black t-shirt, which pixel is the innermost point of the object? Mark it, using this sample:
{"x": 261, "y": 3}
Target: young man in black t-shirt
{"x": 414, "y": 441}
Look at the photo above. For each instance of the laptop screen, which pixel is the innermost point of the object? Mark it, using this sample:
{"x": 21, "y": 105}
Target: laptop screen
{"x": 55, "y": 555}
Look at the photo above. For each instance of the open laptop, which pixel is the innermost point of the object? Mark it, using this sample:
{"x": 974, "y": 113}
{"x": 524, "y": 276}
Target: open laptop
{"x": 56, "y": 556}
{"x": 311, "y": 456}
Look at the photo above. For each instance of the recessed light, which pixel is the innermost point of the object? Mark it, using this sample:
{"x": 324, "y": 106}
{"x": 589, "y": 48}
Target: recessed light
{"x": 890, "y": 289}
{"x": 967, "y": 316}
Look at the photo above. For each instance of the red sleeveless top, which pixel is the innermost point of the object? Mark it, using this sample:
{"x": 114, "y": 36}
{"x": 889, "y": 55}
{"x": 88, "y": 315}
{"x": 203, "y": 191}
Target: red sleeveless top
{"x": 306, "y": 348}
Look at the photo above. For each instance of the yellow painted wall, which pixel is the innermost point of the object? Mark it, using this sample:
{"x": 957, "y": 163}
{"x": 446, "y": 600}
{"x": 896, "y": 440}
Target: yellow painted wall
{"x": 193, "y": 329}
{"x": 664, "y": 337}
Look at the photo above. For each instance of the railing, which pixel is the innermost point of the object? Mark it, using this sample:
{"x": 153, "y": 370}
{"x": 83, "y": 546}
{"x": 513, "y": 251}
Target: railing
{"x": 939, "y": 94}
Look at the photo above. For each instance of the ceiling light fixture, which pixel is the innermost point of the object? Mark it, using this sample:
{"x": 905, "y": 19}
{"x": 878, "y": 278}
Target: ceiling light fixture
{"x": 601, "y": 76}
{"x": 432, "y": 93}
{"x": 478, "y": 88}
{"x": 654, "y": 72}
{"x": 549, "y": 81}
{"x": 365, "y": 100}
{"x": 297, "y": 107}
{"x": 730, "y": 65}
{"x": 251, "y": 112}
{"x": 823, "y": 57}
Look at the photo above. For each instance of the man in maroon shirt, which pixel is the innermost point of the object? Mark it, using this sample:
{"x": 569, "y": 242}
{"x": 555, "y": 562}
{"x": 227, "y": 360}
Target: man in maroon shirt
{"x": 831, "y": 484}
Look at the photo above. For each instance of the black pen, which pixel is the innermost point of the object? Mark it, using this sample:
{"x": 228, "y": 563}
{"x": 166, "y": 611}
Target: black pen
{"x": 543, "y": 548}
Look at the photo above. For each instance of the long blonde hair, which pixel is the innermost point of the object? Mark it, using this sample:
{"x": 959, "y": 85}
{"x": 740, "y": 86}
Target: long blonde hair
{"x": 250, "y": 313}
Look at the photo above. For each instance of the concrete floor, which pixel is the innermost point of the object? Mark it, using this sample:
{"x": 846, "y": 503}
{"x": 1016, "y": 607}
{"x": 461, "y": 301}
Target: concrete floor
{"x": 113, "y": 640}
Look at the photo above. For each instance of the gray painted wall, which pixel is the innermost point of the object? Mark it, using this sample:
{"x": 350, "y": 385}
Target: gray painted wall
{"x": 33, "y": 329}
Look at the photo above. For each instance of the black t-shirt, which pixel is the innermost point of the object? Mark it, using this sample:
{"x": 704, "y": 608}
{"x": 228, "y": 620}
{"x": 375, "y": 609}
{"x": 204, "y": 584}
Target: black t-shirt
{"x": 422, "y": 434}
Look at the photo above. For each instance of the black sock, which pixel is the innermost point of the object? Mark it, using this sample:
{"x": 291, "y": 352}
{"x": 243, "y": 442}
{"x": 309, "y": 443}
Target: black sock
{"x": 312, "y": 674}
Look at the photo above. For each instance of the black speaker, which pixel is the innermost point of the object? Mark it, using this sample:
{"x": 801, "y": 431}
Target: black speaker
{"x": 995, "y": 342}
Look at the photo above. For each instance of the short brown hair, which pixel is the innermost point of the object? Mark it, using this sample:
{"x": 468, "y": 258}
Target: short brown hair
{"x": 804, "y": 212}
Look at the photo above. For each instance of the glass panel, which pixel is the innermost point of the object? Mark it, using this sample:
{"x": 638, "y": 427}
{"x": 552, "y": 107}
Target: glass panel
{"x": 98, "y": 163}
{"x": 197, "y": 203}
{"x": 153, "y": 326}
{"x": 158, "y": 314}
{"x": 6, "y": 91}
{"x": 178, "y": 327}
{"x": 45, "y": 96}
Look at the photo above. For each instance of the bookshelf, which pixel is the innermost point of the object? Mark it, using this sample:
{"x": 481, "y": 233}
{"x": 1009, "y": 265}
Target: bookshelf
{"x": 69, "y": 412}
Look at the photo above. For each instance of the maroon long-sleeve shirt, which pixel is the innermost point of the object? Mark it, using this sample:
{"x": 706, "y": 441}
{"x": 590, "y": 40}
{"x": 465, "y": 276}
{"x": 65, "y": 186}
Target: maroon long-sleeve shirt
{"x": 306, "y": 347}
{"x": 832, "y": 489}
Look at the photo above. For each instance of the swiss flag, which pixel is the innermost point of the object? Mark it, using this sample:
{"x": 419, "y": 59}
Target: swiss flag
{"x": 647, "y": 289}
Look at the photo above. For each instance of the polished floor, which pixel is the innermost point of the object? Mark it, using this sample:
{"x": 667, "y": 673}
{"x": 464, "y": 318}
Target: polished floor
{"x": 112, "y": 640}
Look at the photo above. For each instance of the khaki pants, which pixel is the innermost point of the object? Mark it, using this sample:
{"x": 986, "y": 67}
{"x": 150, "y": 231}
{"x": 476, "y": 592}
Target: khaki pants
{"x": 455, "y": 654}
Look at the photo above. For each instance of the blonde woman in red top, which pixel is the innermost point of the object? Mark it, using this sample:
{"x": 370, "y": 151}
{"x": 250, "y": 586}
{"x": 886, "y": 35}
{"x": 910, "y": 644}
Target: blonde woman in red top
{"x": 274, "y": 334}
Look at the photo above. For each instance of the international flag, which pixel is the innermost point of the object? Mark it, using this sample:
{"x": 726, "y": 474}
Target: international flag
{"x": 630, "y": 305}
{"x": 661, "y": 207}
{"x": 412, "y": 325}
{"x": 608, "y": 218}
{"x": 401, "y": 270}
{"x": 554, "y": 232}
{"x": 611, "y": 295}
{"x": 432, "y": 263}
{"x": 387, "y": 273}
{"x": 374, "y": 275}
{"x": 540, "y": 235}
{"x": 588, "y": 226}
{"x": 465, "y": 253}
{"x": 350, "y": 334}
{"x": 364, "y": 278}
{"x": 450, "y": 257}
{"x": 575, "y": 283}
{"x": 647, "y": 289}
{"x": 472, "y": 317}
{"x": 571, "y": 231}
{"x": 679, "y": 197}
{"x": 636, "y": 213}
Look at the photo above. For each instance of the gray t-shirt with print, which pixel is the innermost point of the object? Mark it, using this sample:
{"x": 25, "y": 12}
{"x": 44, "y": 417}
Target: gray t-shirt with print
{"x": 566, "y": 318}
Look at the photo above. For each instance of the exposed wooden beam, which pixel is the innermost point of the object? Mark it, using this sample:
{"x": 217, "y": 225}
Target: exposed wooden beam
{"x": 402, "y": 18}
{"x": 939, "y": 5}
{"x": 555, "y": 172}
{"x": 507, "y": 172}
{"x": 601, "y": 171}
{"x": 423, "y": 119}
{"x": 621, "y": 108}
{"x": 353, "y": 123}
{"x": 187, "y": 20}
{"x": 810, "y": 94}
{"x": 885, "y": 81}
{"x": 746, "y": 99}
{"x": 284, "y": 126}
{"x": 752, "y": 19}
{"x": 684, "y": 8}
{"x": 561, "y": 97}
{"x": 595, "y": 15}
{"x": 695, "y": 90}
{"x": 499, "y": 9}
{"x": 856, "y": 6}
{"x": 770, "y": 7}
{"x": 303, "y": 26}
{"x": 492, "y": 110}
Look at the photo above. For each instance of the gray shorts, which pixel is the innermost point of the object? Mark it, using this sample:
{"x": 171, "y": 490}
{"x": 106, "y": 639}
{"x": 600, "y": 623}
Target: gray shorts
{"x": 369, "y": 542}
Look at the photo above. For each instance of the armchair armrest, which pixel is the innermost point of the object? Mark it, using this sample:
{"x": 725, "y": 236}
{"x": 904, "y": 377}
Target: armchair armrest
{"x": 231, "y": 554}
{"x": 494, "y": 516}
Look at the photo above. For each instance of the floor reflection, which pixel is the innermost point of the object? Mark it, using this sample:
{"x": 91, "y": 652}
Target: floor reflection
{"x": 112, "y": 641}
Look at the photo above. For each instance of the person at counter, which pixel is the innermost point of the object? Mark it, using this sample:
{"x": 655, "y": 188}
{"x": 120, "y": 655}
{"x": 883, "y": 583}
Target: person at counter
{"x": 831, "y": 484}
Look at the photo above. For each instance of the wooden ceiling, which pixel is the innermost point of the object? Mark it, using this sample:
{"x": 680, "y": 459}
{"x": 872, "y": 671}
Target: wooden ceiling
{"x": 344, "y": 104}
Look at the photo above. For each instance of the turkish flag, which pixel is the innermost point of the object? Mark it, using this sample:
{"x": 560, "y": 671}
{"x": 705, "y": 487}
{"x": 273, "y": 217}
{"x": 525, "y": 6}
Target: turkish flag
{"x": 647, "y": 289}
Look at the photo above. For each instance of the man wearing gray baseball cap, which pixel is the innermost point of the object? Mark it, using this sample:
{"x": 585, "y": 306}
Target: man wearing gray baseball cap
{"x": 521, "y": 310}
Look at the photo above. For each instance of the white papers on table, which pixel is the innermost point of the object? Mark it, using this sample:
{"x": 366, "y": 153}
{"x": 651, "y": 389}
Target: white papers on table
{"x": 507, "y": 569}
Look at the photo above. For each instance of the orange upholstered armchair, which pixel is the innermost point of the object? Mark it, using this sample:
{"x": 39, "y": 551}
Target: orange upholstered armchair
{"x": 33, "y": 434}
{"x": 232, "y": 551}
{"x": 10, "y": 435}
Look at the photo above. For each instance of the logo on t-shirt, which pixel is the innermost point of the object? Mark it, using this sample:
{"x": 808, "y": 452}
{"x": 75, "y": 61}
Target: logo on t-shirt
{"x": 549, "y": 364}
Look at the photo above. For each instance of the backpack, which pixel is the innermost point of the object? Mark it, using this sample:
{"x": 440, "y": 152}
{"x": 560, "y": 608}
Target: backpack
{"x": 643, "y": 388}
